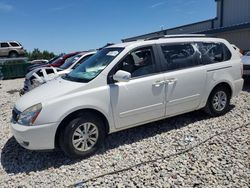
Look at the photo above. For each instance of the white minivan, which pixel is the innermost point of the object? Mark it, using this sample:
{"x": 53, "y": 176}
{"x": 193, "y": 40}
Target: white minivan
{"x": 126, "y": 85}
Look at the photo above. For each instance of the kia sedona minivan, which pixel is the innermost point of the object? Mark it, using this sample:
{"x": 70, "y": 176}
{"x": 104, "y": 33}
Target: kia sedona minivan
{"x": 127, "y": 85}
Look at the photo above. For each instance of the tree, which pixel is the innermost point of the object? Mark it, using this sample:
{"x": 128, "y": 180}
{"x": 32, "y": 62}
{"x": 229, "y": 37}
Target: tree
{"x": 37, "y": 54}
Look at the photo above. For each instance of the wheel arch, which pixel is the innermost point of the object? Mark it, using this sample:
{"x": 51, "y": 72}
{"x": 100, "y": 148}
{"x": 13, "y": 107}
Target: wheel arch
{"x": 11, "y": 51}
{"x": 223, "y": 84}
{"x": 76, "y": 113}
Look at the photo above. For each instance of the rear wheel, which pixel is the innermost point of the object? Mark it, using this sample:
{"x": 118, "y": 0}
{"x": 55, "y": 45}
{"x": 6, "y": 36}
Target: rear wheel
{"x": 82, "y": 136}
{"x": 218, "y": 101}
{"x": 13, "y": 54}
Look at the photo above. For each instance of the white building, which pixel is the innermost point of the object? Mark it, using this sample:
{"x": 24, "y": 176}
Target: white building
{"x": 232, "y": 23}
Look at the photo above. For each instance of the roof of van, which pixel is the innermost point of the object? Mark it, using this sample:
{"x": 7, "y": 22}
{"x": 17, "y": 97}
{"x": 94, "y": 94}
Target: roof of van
{"x": 161, "y": 40}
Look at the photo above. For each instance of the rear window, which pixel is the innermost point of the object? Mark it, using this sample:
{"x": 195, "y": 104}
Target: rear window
{"x": 14, "y": 44}
{"x": 213, "y": 52}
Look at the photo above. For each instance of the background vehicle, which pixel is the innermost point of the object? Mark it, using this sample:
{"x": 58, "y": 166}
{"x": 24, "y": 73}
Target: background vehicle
{"x": 127, "y": 85}
{"x": 40, "y": 61}
{"x": 246, "y": 64}
{"x": 42, "y": 75}
{"x": 11, "y": 49}
{"x": 56, "y": 62}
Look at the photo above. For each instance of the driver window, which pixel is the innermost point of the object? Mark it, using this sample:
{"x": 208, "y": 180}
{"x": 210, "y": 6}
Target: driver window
{"x": 139, "y": 62}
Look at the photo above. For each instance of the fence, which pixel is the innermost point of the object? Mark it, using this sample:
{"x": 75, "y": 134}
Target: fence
{"x": 13, "y": 68}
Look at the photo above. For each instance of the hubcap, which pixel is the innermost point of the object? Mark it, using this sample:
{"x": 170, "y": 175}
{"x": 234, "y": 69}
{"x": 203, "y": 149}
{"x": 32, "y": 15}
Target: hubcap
{"x": 220, "y": 101}
{"x": 85, "y": 136}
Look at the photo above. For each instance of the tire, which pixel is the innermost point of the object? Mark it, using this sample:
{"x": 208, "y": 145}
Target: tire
{"x": 13, "y": 54}
{"x": 75, "y": 131}
{"x": 218, "y": 102}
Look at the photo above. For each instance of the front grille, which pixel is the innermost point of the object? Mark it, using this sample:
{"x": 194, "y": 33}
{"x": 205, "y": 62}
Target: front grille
{"x": 246, "y": 67}
{"x": 15, "y": 114}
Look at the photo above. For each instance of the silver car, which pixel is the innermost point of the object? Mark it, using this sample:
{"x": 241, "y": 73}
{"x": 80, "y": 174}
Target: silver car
{"x": 11, "y": 49}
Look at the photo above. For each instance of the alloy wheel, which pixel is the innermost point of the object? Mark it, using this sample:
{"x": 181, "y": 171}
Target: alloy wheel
{"x": 85, "y": 136}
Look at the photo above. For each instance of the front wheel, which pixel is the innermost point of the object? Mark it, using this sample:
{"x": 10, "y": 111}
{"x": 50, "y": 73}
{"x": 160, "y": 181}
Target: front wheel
{"x": 82, "y": 136}
{"x": 218, "y": 102}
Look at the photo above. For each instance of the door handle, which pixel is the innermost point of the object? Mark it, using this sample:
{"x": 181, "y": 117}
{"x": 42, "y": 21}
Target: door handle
{"x": 171, "y": 80}
{"x": 159, "y": 83}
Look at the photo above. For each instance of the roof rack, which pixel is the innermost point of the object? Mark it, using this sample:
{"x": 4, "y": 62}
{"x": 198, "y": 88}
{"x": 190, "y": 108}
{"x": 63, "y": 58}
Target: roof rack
{"x": 179, "y": 36}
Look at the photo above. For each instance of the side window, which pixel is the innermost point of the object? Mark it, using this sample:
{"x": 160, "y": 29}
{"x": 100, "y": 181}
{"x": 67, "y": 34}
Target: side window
{"x": 179, "y": 56}
{"x": 4, "y": 45}
{"x": 213, "y": 52}
{"x": 14, "y": 44}
{"x": 139, "y": 62}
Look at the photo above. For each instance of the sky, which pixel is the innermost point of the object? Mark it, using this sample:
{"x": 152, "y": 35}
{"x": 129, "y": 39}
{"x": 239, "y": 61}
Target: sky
{"x": 72, "y": 25}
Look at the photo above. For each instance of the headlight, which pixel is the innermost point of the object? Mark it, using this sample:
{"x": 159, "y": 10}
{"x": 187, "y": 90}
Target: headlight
{"x": 28, "y": 116}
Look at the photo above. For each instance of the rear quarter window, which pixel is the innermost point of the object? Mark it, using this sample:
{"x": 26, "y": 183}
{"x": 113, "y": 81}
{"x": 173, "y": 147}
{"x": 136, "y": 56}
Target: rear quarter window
{"x": 213, "y": 52}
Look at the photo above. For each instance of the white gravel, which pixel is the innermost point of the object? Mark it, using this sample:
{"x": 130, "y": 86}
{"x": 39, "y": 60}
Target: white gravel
{"x": 222, "y": 161}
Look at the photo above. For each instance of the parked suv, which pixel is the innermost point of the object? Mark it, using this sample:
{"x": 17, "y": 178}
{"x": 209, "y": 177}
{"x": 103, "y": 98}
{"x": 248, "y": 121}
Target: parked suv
{"x": 126, "y": 85}
{"x": 11, "y": 49}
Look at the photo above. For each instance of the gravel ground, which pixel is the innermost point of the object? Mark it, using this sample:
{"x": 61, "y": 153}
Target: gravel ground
{"x": 191, "y": 150}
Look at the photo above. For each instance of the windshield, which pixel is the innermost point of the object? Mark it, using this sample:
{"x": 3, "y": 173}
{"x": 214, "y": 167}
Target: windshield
{"x": 70, "y": 61}
{"x": 94, "y": 65}
{"x": 54, "y": 59}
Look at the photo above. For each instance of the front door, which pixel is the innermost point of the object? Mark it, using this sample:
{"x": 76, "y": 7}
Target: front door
{"x": 142, "y": 99}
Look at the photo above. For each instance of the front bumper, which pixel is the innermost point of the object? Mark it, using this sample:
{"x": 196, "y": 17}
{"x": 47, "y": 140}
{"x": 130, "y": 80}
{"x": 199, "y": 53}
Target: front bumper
{"x": 38, "y": 137}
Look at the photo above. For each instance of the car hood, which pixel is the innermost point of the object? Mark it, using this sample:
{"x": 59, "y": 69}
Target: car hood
{"x": 48, "y": 91}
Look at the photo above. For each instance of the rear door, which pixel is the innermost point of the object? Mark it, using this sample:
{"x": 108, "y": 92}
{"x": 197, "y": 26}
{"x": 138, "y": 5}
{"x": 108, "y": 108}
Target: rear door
{"x": 184, "y": 75}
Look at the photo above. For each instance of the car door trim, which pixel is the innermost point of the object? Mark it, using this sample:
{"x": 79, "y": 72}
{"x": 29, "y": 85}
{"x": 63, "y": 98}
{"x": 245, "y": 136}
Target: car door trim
{"x": 211, "y": 70}
{"x": 139, "y": 110}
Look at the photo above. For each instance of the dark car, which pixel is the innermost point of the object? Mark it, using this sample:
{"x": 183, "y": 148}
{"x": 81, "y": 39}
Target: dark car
{"x": 55, "y": 62}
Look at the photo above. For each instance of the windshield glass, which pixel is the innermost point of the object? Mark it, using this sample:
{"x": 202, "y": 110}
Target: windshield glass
{"x": 54, "y": 59}
{"x": 70, "y": 61}
{"x": 94, "y": 65}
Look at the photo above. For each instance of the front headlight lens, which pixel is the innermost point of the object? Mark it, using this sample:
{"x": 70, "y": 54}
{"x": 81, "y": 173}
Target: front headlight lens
{"x": 28, "y": 116}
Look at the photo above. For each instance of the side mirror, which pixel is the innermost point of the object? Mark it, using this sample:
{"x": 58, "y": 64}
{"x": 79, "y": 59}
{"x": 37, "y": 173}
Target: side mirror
{"x": 122, "y": 76}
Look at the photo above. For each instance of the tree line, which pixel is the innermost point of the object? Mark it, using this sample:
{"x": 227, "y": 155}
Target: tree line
{"x": 37, "y": 54}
